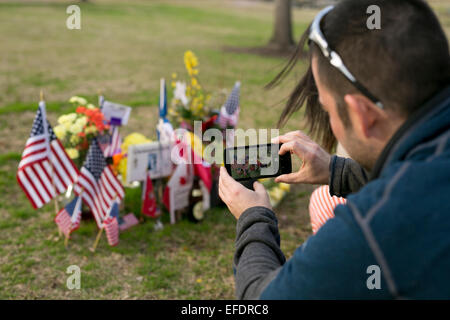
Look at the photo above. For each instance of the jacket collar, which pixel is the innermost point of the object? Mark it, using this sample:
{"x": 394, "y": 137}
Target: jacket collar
{"x": 408, "y": 135}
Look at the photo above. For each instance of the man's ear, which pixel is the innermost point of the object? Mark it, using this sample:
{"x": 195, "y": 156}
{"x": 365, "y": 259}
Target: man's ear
{"x": 363, "y": 115}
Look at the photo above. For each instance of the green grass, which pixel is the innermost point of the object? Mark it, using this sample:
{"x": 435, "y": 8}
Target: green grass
{"x": 123, "y": 49}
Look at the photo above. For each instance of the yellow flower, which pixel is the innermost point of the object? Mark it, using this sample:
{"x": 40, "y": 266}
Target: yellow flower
{"x": 174, "y": 75}
{"x": 122, "y": 168}
{"x": 174, "y": 84}
{"x": 60, "y": 131}
{"x": 74, "y": 139}
{"x": 190, "y": 62}
{"x": 90, "y": 129}
{"x": 172, "y": 112}
{"x": 133, "y": 138}
{"x": 73, "y": 153}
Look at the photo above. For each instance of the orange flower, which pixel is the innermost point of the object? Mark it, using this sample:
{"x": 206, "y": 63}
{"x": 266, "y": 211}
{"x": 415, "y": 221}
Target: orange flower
{"x": 116, "y": 159}
{"x": 80, "y": 109}
{"x": 89, "y": 112}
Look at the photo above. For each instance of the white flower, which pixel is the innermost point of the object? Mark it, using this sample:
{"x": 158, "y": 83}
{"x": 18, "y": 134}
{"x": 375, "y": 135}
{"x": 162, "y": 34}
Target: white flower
{"x": 166, "y": 132}
{"x": 67, "y": 125}
{"x": 78, "y": 100}
{"x": 72, "y": 117}
{"x": 76, "y": 128}
{"x": 180, "y": 92}
{"x": 62, "y": 119}
{"x": 91, "y": 106}
{"x": 67, "y": 118}
{"x": 81, "y": 121}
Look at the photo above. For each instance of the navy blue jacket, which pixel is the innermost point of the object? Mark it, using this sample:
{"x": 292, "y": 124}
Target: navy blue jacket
{"x": 397, "y": 227}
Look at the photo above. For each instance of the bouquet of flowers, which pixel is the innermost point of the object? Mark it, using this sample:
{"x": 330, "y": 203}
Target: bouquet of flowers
{"x": 75, "y": 130}
{"x": 190, "y": 101}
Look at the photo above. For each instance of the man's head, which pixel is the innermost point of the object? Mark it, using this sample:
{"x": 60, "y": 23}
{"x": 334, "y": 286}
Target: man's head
{"x": 403, "y": 64}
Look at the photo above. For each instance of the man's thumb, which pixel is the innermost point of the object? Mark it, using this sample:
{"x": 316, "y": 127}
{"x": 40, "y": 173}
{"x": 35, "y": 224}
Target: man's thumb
{"x": 258, "y": 187}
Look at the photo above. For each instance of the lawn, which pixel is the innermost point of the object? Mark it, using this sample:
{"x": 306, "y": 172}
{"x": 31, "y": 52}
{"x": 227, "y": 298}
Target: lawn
{"x": 123, "y": 49}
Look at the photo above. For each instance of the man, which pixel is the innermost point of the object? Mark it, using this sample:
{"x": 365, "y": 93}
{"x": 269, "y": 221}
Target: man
{"x": 387, "y": 96}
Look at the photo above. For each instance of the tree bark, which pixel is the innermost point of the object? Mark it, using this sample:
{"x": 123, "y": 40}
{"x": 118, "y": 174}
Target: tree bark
{"x": 282, "y": 33}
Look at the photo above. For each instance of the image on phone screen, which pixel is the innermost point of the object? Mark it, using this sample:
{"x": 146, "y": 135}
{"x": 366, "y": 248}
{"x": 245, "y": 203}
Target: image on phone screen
{"x": 257, "y": 161}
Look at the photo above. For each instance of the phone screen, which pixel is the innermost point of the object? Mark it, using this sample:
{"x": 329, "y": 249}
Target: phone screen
{"x": 258, "y": 161}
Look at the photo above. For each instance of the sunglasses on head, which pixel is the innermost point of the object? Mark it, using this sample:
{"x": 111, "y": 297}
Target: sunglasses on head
{"x": 316, "y": 36}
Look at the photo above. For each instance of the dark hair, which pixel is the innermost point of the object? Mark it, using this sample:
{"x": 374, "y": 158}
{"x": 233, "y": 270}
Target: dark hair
{"x": 404, "y": 63}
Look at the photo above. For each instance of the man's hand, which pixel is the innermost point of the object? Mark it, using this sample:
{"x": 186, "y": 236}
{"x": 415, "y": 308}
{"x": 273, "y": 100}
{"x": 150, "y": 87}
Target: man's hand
{"x": 238, "y": 198}
{"x": 315, "y": 160}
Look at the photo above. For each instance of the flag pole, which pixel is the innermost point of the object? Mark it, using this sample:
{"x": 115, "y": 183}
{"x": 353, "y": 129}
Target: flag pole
{"x": 99, "y": 234}
{"x": 66, "y": 240}
{"x": 41, "y": 96}
{"x": 97, "y": 240}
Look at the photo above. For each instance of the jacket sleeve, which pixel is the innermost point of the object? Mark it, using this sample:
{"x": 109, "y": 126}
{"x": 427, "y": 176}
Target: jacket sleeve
{"x": 258, "y": 256}
{"x": 346, "y": 176}
{"x": 330, "y": 265}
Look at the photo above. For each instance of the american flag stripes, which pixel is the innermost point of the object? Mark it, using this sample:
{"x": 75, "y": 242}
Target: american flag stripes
{"x": 115, "y": 142}
{"x": 127, "y": 222}
{"x": 111, "y": 225}
{"x": 97, "y": 184}
{"x": 44, "y": 165}
{"x": 229, "y": 113}
{"x": 68, "y": 219}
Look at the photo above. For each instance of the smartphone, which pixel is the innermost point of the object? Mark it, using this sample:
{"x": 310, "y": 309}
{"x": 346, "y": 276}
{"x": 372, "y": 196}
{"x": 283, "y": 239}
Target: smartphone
{"x": 257, "y": 161}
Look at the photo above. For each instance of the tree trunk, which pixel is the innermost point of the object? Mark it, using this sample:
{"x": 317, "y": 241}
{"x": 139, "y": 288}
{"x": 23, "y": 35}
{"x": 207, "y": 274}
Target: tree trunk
{"x": 282, "y": 34}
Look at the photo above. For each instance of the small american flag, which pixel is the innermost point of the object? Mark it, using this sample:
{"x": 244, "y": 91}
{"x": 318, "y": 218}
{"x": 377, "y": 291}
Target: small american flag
{"x": 111, "y": 225}
{"x": 68, "y": 219}
{"x": 45, "y": 164}
{"x": 127, "y": 222}
{"x": 115, "y": 142}
{"x": 229, "y": 113}
{"x": 97, "y": 184}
